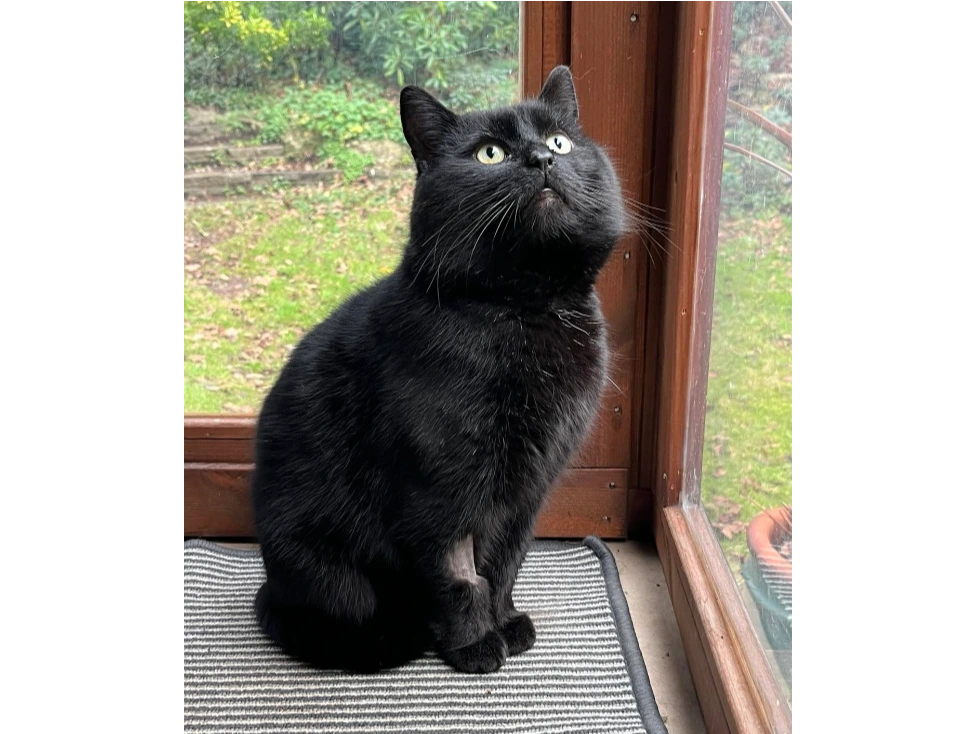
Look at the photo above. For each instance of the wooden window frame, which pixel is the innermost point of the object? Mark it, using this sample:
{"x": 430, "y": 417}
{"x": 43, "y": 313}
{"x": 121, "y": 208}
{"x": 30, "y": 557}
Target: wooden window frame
{"x": 737, "y": 690}
{"x": 676, "y": 94}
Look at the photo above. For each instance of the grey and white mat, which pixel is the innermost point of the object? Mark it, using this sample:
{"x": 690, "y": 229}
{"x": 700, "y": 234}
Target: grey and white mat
{"x": 585, "y": 674}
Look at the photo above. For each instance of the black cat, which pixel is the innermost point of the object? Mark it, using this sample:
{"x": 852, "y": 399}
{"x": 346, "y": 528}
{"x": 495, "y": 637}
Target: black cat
{"x": 405, "y": 451}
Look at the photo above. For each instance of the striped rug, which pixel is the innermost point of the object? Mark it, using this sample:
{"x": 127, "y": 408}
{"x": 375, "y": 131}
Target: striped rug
{"x": 584, "y": 674}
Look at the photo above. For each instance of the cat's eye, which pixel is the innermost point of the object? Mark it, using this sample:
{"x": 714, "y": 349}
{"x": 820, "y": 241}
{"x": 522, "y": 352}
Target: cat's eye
{"x": 559, "y": 143}
{"x": 490, "y": 154}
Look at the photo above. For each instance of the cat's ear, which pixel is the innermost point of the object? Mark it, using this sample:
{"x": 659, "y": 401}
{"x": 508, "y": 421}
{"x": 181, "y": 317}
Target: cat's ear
{"x": 558, "y": 93}
{"x": 425, "y": 122}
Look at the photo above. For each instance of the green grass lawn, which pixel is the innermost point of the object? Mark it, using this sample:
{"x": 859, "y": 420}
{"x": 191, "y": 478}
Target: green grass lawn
{"x": 748, "y": 436}
{"x": 259, "y": 272}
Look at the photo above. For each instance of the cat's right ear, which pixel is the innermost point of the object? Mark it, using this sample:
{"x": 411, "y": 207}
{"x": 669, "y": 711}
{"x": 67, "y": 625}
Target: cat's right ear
{"x": 558, "y": 92}
{"x": 425, "y": 122}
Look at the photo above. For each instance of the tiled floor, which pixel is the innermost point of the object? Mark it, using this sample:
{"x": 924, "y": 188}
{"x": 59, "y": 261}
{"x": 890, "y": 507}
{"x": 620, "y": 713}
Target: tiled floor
{"x": 659, "y": 637}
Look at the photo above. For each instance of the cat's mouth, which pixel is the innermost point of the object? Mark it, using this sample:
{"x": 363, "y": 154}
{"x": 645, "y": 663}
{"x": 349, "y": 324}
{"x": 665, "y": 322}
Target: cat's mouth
{"x": 549, "y": 197}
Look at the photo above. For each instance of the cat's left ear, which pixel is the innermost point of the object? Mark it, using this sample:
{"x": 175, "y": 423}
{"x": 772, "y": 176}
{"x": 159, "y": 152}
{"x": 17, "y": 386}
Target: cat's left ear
{"x": 425, "y": 122}
{"x": 558, "y": 93}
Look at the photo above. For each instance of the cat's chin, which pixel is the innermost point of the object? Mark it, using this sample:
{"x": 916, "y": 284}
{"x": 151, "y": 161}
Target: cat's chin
{"x": 548, "y": 198}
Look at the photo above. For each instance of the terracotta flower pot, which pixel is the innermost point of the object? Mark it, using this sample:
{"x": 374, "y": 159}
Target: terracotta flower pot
{"x": 768, "y": 532}
{"x": 768, "y": 573}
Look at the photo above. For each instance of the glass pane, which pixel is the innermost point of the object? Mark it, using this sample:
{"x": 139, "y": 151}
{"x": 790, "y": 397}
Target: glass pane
{"x": 747, "y": 464}
{"x": 298, "y": 182}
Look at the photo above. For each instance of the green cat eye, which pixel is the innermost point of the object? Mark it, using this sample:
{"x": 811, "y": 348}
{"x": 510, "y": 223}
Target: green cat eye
{"x": 559, "y": 143}
{"x": 490, "y": 154}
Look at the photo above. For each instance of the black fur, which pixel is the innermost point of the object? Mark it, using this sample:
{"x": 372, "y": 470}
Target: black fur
{"x": 441, "y": 403}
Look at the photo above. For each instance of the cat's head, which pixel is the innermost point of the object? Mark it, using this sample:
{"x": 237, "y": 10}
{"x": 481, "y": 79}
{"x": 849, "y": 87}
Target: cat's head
{"x": 512, "y": 200}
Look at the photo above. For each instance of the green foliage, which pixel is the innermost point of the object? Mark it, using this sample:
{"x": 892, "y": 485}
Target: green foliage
{"x": 321, "y": 123}
{"x": 248, "y": 44}
{"x": 223, "y": 98}
{"x": 748, "y": 185}
{"x": 429, "y": 43}
{"x": 228, "y": 43}
{"x": 761, "y": 67}
{"x": 480, "y": 86}
{"x": 747, "y": 15}
{"x": 237, "y": 24}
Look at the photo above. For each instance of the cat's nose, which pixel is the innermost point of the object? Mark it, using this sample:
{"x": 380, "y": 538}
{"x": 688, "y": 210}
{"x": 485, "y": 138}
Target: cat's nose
{"x": 540, "y": 158}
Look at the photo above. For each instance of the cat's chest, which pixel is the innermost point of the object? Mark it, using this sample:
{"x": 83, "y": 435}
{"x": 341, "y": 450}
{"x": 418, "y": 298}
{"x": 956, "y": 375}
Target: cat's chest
{"x": 511, "y": 382}
{"x": 543, "y": 398}
{"x": 549, "y": 369}
{"x": 560, "y": 347}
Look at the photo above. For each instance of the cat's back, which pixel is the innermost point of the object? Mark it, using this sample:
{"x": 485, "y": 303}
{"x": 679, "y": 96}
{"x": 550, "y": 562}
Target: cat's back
{"x": 319, "y": 395}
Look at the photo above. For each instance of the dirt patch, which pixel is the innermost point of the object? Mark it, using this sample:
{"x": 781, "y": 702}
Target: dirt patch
{"x": 201, "y": 258}
{"x": 207, "y": 127}
{"x": 388, "y": 155}
{"x": 228, "y": 285}
{"x": 201, "y": 115}
{"x": 197, "y": 239}
{"x": 222, "y": 183}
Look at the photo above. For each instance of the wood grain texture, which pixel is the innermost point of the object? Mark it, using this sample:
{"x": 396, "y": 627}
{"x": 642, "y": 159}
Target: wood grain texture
{"x": 700, "y": 93}
{"x": 732, "y": 606}
{"x": 218, "y": 426}
{"x": 573, "y": 512}
{"x": 545, "y": 43}
{"x": 708, "y": 695}
{"x": 611, "y": 62}
{"x": 651, "y": 257}
{"x": 556, "y": 34}
{"x": 220, "y": 450}
{"x": 731, "y": 698}
{"x": 531, "y": 40}
{"x": 653, "y": 290}
{"x": 217, "y": 503}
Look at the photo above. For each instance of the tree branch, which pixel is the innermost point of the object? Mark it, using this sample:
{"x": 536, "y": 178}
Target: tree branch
{"x": 782, "y": 135}
{"x": 756, "y": 157}
{"x": 782, "y": 15}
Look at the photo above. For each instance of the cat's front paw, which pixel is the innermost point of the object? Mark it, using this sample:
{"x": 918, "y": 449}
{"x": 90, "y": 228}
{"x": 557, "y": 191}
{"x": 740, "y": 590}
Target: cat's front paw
{"x": 519, "y": 634}
{"x": 485, "y": 656}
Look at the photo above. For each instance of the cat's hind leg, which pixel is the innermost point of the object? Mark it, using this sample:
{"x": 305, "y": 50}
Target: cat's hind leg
{"x": 334, "y": 624}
